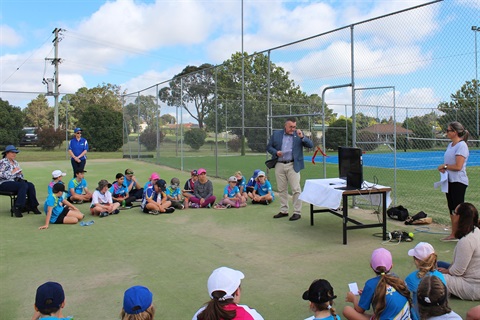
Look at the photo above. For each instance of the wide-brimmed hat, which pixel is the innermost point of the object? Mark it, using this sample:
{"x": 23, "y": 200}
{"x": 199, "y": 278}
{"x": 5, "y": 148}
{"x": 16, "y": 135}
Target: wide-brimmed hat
{"x": 102, "y": 184}
{"x": 10, "y": 148}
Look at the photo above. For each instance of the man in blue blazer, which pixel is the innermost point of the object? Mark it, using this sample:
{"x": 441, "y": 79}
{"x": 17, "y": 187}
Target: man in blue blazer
{"x": 287, "y": 146}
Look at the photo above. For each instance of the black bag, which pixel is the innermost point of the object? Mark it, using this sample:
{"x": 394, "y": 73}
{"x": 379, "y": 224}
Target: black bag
{"x": 399, "y": 213}
{"x": 271, "y": 163}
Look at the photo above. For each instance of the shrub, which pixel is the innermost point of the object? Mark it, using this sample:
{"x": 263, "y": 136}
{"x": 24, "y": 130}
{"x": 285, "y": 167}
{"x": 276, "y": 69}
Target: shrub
{"x": 48, "y": 138}
{"x": 195, "y": 138}
{"x": 149, "y": 138}
{"x": 234, "y": 144}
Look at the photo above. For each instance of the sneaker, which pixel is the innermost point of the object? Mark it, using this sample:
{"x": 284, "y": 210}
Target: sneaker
{"x": 182, "y": 207}
{"x": 170, "y": 210}
{"x": 228, "y": 206}
{"x": 194, "y": 205}
{"x": 103, "y": 214}
{"x": 78, "y": 201}
{"x": 116, "y": 211}
{"x": 36, "y": 211}
{"x": 154, "y": 212}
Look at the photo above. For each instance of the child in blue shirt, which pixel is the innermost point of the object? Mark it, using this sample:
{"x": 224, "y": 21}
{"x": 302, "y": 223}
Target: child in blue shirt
{"x": 154, "y": 199}
{"x": 242, "y": 185}
{"x": 231, "y": 196}
{"x": 263, "y": 193}
{"x": 57, "y": 176}
{"x": 58, "y": 209}
{"x": 120, "y": 192}
{"x": 393, "y": 298}
{"x": 320, "y": 294}
{"x": 77, "y": 191}
{"x": 250, "y": 185}
{"x": 173, "y": 194}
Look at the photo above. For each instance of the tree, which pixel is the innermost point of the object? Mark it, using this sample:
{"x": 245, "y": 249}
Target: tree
{"x": 11, "y": 123}
{"x": 461, "y": 108}
{"x": 168, "y": 119}
{"x": 107, "y": 95}
{"x": 195, "y": 138}
{"x": 36, "y": 113}
{"x": 102, "y": 127}
{"x": 335, "y": 135}
{"x": 194, "y": 86}
{"x": 422, "y": 127}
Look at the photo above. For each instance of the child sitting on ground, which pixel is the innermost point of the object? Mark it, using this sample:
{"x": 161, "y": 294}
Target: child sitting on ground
{"x": 263, "y": 193}
{"x": 152, "y": 201}
{"x": 250, "y": 186}
{"x": 387, "y": 294}
{"x": 58, "y": 209}
{"x": 432, "y": 300}
{"x": 49, "y": 302}
{"x": 231, "y": 196}
{"x": 57, "y": 176}
{"x": 188, "y": 188}
{"x": 320, "y": 294}
{"x": 77, "y": 191}
{"x": 120, "y": 193}
{"x": 174, "y": 195}
{"x": 242, "y": 185}
{"x": 102, "y": 202}
{"x": 425, "y": 260}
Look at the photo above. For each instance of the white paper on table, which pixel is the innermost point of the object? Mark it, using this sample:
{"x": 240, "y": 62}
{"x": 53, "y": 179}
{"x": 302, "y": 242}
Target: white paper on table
{"x": 353, "y": 288}
{"x": 443, "y": 183}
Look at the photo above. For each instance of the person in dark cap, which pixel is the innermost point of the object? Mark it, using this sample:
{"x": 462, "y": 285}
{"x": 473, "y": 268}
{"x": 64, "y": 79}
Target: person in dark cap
{"x": 11, "y": 179}
{"x": 78, "y": 148}
{"x": 49, "y": 301}
{"x": 187, "y": 191}
{"x": 138, "y": 304}
{"x": 320, "y": 294}
{"x": 102, "y": 202}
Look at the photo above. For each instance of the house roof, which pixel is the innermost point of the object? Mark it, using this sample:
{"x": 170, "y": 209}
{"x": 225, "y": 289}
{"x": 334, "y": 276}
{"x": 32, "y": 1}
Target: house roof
{"x": 386, "y": 128}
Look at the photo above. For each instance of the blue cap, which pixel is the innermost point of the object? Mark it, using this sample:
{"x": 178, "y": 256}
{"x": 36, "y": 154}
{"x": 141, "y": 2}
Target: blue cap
{"x": 255, "y": 173}
{"x": 137, "y": 299}
{"x": 49, "y": 295}
{"x": 10, "y": 148}
{"x": 76, "y": 130}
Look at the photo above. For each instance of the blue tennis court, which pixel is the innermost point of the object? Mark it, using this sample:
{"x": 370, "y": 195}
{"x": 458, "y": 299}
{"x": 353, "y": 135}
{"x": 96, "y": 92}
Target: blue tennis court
{"x": 427, "y": 160}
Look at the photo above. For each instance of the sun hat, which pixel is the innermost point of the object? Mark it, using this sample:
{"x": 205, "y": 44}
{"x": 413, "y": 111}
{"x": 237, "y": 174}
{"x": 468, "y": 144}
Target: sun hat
{"x": 10, "y": 148}
{"x": 128, "y": 171}
{"x": 224, "y": 279}
{"x": 137, "y": 299}
{"x": 201, "y": 170}
{"x": 175, "y": 181}
{"x": 381, "y": 257}
{"x": 58, "y": 173}
{"x": 232, "y": 179}
{"x": 77, "y": 129}
{"x": 154, "y": 176}
{"x": 102, "y": 183}
{"x": 49, "y": 295}
{"x": 261, "y": 174}
{"x": 421, "y": 251}
{"x": 320, "y": 291}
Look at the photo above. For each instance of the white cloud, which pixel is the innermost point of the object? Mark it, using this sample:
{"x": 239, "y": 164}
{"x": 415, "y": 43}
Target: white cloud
{"x": 9, "y": 37}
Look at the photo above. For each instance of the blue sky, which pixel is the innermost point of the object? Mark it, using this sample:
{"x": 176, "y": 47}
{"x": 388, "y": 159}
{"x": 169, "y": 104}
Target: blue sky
{"x": 137, "y": 44}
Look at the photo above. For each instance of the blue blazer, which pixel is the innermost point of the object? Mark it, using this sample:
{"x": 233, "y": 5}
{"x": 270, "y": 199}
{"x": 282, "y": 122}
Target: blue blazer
{"x": 275, "y": 144}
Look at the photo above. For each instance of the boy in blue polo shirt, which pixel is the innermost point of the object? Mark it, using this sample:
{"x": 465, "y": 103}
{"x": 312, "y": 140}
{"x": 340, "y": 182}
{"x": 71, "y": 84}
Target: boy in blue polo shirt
{"x": 58, "y": 209}
{"x": 77, "y": 191}
{"x": 120, "y": 192}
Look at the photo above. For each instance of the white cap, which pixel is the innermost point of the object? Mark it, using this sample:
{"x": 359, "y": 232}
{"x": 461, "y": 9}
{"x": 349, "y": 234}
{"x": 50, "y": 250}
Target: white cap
{"x": 224, "y": 279}
{"x": 261, "y": 173}
{"x": 232, "y": 179}
{"x": 421, "y": 251}
{"x": 58, "y": 173}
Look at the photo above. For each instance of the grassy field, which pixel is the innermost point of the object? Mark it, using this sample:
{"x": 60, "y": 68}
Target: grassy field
{"x": 174, "y": 254}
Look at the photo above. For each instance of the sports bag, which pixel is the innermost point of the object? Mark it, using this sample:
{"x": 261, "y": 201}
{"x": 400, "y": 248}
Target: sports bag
{"x": 399, "y": 213}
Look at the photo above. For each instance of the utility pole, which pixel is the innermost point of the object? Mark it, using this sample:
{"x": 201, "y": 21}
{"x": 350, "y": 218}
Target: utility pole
{"x": 56, "y": 61}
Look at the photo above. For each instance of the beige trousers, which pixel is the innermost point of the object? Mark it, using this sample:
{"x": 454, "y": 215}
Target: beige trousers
{"x": 285, "y": 175}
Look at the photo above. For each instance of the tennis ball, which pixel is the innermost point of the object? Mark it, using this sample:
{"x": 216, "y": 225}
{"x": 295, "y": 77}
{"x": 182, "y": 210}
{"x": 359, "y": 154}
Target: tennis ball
{"x": 410, "y": 234}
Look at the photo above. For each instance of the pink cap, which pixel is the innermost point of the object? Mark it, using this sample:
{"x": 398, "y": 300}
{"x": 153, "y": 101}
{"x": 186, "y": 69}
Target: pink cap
{"x": 154, "y": 176}
{"x": 381, "y": 257}
{"x": 201, "y": 170}
{"x": 422, "y": 251}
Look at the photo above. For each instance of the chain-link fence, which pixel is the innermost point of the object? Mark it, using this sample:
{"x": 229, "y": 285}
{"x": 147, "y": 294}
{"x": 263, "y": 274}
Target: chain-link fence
{"x": 393, "y": 84}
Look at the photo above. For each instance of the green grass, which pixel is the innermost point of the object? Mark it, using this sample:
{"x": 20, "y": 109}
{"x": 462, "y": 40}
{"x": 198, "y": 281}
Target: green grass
{"x": 174, "y": 254}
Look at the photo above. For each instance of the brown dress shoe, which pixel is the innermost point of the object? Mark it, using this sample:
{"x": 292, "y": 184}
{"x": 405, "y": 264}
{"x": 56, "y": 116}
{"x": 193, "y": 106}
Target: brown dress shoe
{"x": 280, "y": 215}
{"x": 294, "y": 217}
